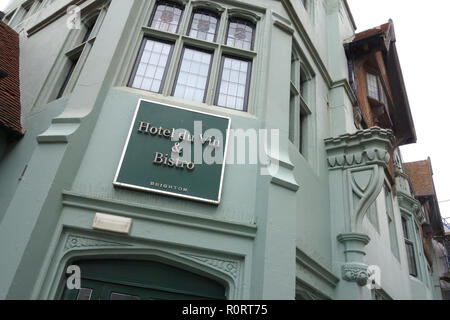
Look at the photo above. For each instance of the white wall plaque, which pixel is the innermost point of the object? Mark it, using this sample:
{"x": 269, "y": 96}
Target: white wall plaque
{"x": 111, "y": 223}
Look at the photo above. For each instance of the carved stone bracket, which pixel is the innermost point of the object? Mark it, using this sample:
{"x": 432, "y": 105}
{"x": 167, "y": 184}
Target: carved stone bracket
{"x": 355, "y": 272}
{"x": 360, "y": 159}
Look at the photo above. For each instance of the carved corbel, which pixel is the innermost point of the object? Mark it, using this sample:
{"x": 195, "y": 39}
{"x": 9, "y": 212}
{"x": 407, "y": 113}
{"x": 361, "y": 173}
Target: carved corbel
{"x": 362, "y": 158}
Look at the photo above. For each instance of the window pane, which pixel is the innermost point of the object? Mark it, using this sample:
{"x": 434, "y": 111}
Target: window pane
{"x": 372, "y": 86}
{"x": 411, "y": 259}
{"x": 204, "y": 26}
{"x": 405, "y": 228}
{"x": 151, "y": 66}
{"x": 84, "y": 294}
{"x": 240, "y": 34}
{"x": 234, "y": 84}
{"x": 167, "y": 17}
{"x": 193, "y": 75}
{"x": 73, "y": 64}
{"x": 121, "y": 296}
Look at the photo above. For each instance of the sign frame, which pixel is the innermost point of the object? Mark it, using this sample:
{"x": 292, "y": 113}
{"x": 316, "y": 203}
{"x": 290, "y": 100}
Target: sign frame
{"x": 168, "y": 193}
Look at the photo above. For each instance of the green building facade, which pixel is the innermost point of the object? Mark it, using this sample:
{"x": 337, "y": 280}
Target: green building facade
{"x": 317, "y": 228}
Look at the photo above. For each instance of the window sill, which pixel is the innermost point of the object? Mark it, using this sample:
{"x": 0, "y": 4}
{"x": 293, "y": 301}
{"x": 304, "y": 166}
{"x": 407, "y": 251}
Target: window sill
{"x": 186, "y": 103}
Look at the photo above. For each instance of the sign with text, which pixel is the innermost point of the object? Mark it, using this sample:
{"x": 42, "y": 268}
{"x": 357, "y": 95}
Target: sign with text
{"x": 175, "y": 151}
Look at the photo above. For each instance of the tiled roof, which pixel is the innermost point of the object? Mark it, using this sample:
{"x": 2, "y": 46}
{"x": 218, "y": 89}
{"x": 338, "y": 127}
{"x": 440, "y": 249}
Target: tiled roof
{"x": 10, "y": 109}
{"x": 421, "y": 176}
{"x": 372, "y": 32}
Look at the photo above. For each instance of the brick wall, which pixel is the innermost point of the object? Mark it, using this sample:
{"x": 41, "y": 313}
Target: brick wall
{"x": 10, "y": 109}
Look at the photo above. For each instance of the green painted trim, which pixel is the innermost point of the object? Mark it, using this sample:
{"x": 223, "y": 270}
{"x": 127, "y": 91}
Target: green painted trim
{"x": 160, "y": 214}
{"x": 313, "y": 293}
{"x": 316, "y": 268}
{"x": 348, "y": 89}
{"x": 58, "y": 133}
{"x": 74, "y": 244}
{"x": 352, "y": 236}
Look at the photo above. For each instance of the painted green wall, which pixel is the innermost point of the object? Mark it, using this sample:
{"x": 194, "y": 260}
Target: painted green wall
{"x": 269, "y": 236}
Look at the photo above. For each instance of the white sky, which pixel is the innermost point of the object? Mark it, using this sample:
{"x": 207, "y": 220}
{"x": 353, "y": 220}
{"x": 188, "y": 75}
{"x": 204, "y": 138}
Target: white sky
{"x": 421, "y": 31}
{"x": 4, "y": 4}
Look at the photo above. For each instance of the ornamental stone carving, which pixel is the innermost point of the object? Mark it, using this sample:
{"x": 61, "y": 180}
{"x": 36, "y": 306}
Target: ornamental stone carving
{"x": 227, "y": 266}
{"x": 79, "y": 242}
{"x": 357, "y": 163}
{"x": 355, "y": 272}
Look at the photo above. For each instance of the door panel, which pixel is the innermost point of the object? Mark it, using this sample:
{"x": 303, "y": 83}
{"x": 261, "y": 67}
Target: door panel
{"x": 141, "y": 280}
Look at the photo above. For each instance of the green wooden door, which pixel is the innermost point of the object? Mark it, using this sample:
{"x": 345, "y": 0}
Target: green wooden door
{"x": 141, "y": 280}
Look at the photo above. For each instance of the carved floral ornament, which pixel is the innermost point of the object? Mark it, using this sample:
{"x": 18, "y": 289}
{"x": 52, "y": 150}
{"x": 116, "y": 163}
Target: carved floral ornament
{"x": 356, "y": 272}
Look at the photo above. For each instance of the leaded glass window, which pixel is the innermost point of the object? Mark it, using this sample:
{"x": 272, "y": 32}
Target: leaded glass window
{"x": 372, "y": 86}
{"x": 151, "y": 66}
{"x": 204, "y": 25}
{"x": 84, "y": 294}
{"x": 193, "y": 75}
{"x": 190, "y": 80}
{"x": 240, "y": 34}
{"x": 234, "y": 83}
{"x": 167, "y": 17}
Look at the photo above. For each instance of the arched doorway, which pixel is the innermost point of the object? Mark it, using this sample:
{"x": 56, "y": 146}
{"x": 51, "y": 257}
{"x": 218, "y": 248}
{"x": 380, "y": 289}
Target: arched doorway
{"x": 115, "y": 279}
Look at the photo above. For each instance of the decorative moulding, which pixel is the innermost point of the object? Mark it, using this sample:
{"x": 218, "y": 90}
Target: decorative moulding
{"x": 365, "y": 147}
{"x": 208, "y": 5}
{"x": 82, "y": 242}
{"x": 411, "y": 206}
{"x": 362, "y": 158}
{"x": 244, "y": 14}
{"x": 229, "y": 267}
{"x": 158, "y": 214}
{"x": 316, "y": 268}
{"x": 355, "y": 272}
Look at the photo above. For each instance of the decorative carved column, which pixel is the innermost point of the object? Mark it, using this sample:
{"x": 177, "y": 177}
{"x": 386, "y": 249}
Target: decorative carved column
{"x": 356, "y": 163}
